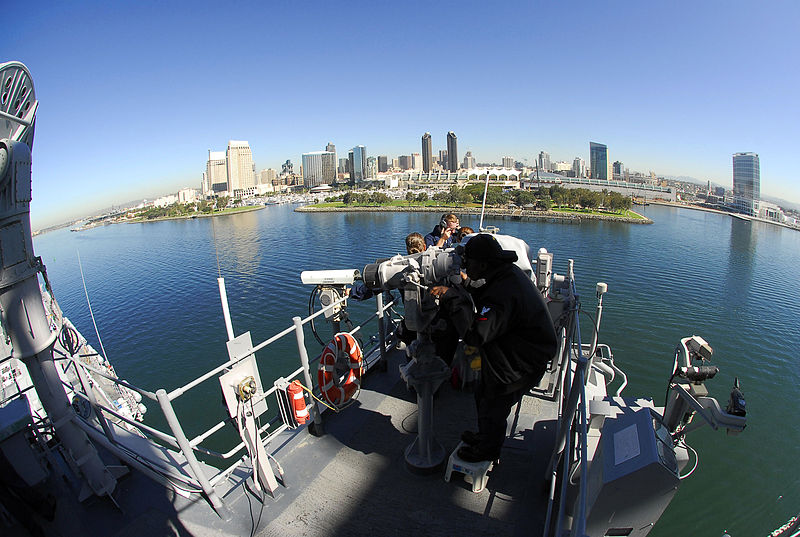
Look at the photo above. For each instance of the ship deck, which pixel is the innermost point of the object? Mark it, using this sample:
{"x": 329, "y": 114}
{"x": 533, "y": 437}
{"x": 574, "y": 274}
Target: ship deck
{"x": 353, "y": 480}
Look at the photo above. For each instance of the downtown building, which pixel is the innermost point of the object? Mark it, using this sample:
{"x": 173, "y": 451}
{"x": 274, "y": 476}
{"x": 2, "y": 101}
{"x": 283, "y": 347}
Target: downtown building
{"x": 241, "y": 168}
{"x": 598, "y": 161}
{"x": 452, "y": 152}
{"x": 427, "y": 153}
{"x": 469, "y": 161}
{"x": 216, "y": 173}
{"x": 746, "y": 183}
{"x": 319, "y": 167}
{"x": 357, "y": 160}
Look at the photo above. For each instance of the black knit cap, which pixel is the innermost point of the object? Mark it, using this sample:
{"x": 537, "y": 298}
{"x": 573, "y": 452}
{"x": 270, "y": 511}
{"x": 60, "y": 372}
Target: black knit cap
{"x": 485, "y": 246}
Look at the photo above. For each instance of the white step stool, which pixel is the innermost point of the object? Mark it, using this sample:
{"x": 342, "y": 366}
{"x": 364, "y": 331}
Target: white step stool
{"x": 474, "y": 472}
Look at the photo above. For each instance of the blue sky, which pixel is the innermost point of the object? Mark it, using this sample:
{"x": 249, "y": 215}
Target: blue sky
{"x": 133, "y": 94}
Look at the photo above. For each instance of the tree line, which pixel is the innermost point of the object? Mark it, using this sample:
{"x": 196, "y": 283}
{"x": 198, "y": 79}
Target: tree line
{"x": 542, "y": 198}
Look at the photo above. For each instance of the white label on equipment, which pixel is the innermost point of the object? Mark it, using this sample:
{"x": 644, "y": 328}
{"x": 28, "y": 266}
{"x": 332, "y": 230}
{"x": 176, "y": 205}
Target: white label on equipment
{"x": 626, "y": 444}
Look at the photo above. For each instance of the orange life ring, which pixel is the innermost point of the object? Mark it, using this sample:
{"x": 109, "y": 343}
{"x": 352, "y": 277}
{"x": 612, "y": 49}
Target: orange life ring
{"x": 339, "y": 387}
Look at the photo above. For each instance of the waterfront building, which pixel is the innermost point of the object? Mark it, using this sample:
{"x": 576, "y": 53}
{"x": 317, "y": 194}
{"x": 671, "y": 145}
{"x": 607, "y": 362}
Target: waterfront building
{"x": 217, "y": 171}
{"x": 469, "y": 161}
{"x": 383, "y": 163}
{"x": 452, "y": 152}
{"x": 319, "y": 167}
{"x": 579, "y": 167}
{"x": 427, "y": 153}
{"x": 746, "y": 183}
{"x": 544, "y": 161}
{"x": 358, "y": 164}
{"x": 187, "y": 195}
{"x": 241, "y": 169}
{"x": 267, "y": 177}
{"x": 508, "y": 162}
{"x": 598, "y": 161}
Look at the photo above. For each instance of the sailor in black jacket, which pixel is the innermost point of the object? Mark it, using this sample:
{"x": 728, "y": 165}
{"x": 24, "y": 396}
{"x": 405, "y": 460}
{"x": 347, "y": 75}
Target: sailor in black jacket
{"x": 511, "y": 326}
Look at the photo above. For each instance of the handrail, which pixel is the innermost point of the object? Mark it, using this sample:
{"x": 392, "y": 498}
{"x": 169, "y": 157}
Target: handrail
{"x": 188, "y": 447}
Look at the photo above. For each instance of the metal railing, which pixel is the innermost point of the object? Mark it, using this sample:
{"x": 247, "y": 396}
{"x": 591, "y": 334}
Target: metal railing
{"x": 571, "y": 449}
{"x": 176, "y": 437}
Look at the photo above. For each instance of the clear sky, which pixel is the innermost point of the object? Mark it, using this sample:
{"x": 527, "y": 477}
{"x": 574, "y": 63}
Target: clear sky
{"x": 133, "y": 94}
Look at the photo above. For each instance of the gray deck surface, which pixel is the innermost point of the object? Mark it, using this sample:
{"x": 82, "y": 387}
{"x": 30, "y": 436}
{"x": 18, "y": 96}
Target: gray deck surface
{"x": 351, "y": 481}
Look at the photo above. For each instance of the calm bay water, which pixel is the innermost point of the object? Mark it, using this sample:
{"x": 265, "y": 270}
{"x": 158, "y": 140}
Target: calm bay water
{"x": 154, "y": 295}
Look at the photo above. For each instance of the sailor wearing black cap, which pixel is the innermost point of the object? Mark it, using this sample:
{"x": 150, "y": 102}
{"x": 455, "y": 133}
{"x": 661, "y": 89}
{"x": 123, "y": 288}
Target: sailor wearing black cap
{"x": 513, "y": 330}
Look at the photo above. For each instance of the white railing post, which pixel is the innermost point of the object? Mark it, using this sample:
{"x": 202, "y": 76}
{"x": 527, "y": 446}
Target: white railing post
{"x": 316, "y": 427}
{"x": 186, "y": 449}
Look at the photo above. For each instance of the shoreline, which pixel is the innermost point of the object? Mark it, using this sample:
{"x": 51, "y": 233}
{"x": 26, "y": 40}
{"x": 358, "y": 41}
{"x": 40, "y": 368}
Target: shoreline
{"x": 505, "y": 214}
{"x": 717, "y": 211}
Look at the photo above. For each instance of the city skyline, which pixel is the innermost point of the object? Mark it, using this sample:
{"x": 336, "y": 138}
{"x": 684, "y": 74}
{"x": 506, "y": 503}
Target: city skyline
{"x": 136, "y": 86}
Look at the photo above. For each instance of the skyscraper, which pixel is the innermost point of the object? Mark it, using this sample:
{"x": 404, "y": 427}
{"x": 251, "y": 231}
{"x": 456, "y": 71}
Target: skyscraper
{"x": 579, "y": 167}
{"x": 319, "y": 167}
{"x": 544, "y": 161}
{"x": 452, "y": 152}
{"x": 383, "y": 163}
{"x": 617, "y": 170}
{"x": 508, "y": 162}
{"x": 746, "y": 183}
{"x": 217, "y": 171}
{"x": 427, "y": 153}
{"x": 598, "y": 161}
{"x": 358, "y": 164}
{"x": 241, "y": 168}
{"x": 469, "y": 161}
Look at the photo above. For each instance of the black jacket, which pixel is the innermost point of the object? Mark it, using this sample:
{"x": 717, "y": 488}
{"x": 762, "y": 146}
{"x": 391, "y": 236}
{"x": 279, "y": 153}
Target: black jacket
{"x": 510, "y": 324}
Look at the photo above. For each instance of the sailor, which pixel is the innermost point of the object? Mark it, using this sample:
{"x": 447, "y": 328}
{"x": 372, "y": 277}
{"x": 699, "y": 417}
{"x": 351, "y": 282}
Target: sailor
{"x": 511, "y": 326}
{"x": 444, "y": 233}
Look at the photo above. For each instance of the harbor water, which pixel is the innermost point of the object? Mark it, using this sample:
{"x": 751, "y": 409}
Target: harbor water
{"x": 154, "y": 296}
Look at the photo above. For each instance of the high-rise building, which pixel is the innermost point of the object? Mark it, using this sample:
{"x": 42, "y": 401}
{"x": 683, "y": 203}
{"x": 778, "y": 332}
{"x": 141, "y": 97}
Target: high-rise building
{"x": 383, "y": 163}
{"x": 469, "y": 161}
{"x": 618, "y": 170}
{"x": 416, "y": 162}
{"x": 579, "y": 167}
{"x": 443, "y": 158}
{"x": 508, "y": 162}
{"x": 267, "y": 177}
{"x": 358, "y": 164}
{"x": 427, "y": 153}
{"x": 598, "y": 161}
{"x": 405, "y": 162}
{"x": 544, "y": 161}
{"x": 452, "y": 152}
{"x": 217, "y": 171}
{"x": 318, "y": 167}
{"x": 241, "y": 168}
{"x": 330, "y": 148}
{"x": 746, "y": 183}
{"x": 372, "y": 168}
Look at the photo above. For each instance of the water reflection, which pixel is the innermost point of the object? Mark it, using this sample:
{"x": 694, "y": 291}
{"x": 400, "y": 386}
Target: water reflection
{"x": 741, "y": 259}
